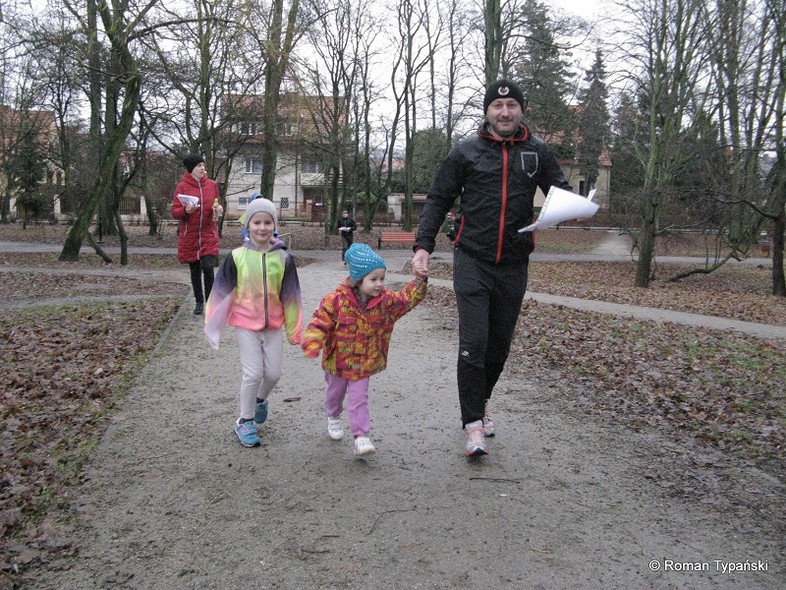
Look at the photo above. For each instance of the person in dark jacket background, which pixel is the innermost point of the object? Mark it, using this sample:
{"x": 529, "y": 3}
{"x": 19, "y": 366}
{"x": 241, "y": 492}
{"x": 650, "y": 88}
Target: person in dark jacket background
{"x": 496, "y": 173}
{"x": 197, "y": 242}
{"x": 346, "y": 228}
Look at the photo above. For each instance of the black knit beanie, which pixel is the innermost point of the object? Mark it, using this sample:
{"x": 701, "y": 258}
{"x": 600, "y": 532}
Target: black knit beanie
{"x": 191, "y": 161}
{"x": 502, "y": 89}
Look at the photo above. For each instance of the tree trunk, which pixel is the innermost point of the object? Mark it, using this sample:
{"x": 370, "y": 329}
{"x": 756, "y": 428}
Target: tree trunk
{"x": 778, "y": 231}
{"x": 492, "y": 16}
{"x": 121, "y": 231}
{"x": 646, "y": 248}
{"x": 152, "y": 217}
{"x": 100, "y": 251}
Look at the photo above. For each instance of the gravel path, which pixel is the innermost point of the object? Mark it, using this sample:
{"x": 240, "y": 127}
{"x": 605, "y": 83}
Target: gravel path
{"x": 563, "y": 501}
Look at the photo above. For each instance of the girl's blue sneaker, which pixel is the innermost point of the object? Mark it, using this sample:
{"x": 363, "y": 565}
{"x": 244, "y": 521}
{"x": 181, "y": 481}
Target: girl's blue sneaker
{"x": 247, "y": 433}
{"x": 260, "y": 414}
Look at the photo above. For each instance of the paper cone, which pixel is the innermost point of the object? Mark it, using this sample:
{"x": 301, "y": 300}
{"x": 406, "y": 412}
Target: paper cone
{"x": 562, "y": 205}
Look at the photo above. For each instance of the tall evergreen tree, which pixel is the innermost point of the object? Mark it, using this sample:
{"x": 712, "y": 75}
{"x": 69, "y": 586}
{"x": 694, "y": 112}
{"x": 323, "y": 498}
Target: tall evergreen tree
{"x": 543, "y": 74}
{"x": 628, "y": 139}
{"x": 593, "y": 120}
{"x": 25, "y": 171}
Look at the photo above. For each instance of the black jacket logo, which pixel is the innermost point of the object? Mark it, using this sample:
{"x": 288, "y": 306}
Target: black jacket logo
{"x": 529, "y": 163}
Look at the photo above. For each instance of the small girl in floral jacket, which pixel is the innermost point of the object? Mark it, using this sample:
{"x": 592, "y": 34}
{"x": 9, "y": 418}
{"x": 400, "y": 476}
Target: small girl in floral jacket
{"x": 353, "y": 325}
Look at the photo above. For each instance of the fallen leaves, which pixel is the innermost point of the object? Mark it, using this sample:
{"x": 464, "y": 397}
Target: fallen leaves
{"x": 67, "y": 366}
{"x": 735, "y": 291}
{"x": 726, "y": 389}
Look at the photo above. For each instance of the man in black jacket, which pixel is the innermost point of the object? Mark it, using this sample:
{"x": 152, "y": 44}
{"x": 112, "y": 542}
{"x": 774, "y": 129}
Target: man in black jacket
{"x": 346, "y": 227}
{"x": 495, "y": 172}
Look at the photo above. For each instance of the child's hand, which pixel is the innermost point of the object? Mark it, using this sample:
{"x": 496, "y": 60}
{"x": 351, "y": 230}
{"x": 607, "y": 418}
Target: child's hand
{"x": 311, "y": 349}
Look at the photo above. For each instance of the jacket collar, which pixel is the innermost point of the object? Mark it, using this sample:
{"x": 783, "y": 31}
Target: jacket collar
{"x": 189, "y": 179}
{"x": 346, "y": 285}
{"x": 275, "y": 244}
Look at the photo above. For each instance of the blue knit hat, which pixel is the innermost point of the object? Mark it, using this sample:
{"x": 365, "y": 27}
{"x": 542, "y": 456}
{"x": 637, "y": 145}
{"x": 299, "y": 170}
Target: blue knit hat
{"x": 361, "y": 260}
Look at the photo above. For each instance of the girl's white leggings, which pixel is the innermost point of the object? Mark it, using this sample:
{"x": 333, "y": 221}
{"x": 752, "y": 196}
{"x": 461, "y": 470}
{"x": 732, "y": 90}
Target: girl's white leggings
{"x": 261, "y": 354}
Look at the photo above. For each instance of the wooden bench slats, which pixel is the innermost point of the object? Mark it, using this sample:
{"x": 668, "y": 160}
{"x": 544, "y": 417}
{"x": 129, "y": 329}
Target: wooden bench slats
{"x": 399, "y": 237}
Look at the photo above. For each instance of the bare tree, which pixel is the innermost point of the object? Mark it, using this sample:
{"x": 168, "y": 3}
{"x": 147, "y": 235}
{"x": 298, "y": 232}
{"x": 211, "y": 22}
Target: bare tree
{"x": 416, "y": 48}
{"x": 332, "y": 76}
{"x": 366, "y": 56}
{"x": 120, "y": 28}
{"x": 666, "y": 53}
{"x": 457, "y": 32}
{"x": 282, "y": 36}
{"x": 747, "y": 59}
{"x": 201, "y": 74}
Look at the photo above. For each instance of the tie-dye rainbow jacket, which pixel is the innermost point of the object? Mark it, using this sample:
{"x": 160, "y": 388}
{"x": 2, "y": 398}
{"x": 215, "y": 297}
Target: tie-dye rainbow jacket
{"x": 256, "y": 290}
{"x": 355, "y": 341}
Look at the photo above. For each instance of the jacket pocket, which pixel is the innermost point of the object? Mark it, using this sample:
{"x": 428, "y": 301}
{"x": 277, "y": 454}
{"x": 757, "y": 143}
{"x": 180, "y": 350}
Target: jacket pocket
{"x": 530, "y": 162}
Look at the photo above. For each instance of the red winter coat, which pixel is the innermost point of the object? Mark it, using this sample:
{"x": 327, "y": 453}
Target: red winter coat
{"x": 198, "y": 232}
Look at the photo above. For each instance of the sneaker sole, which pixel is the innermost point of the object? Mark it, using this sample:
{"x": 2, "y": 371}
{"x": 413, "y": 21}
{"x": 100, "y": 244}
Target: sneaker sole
{"x": 364, "y": 452}
{"x": 336, "y": 437}
{"x": 476, "y": 452}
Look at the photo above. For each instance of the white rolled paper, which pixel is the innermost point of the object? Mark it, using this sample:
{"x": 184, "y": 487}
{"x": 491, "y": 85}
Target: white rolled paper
{"x": 562, "y": 205}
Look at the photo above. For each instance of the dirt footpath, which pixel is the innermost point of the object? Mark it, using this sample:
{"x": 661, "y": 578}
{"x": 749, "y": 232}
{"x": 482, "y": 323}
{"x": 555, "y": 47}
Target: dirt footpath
{"x": 173, "y": 501}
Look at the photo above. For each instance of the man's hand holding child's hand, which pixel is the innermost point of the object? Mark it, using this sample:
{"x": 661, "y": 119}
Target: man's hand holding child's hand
{"x": 420, "y": 264}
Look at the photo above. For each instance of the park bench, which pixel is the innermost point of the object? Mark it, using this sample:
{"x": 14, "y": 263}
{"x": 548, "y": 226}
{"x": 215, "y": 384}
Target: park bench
{"x": 400, "y": 237}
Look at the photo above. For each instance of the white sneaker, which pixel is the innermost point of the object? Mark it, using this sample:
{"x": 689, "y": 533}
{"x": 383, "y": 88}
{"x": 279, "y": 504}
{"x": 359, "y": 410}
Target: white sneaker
{"x": 334, "y": 428}
{"x": 476, "y": 444}
{"x": 363, "y": 446}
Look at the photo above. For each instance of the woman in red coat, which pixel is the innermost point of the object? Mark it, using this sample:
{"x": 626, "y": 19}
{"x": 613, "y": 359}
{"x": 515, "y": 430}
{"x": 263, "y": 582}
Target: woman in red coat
{"x": 197, "y": 243}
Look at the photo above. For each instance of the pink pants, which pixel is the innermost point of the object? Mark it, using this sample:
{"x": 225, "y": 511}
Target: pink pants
{"x": 357, "y": 404}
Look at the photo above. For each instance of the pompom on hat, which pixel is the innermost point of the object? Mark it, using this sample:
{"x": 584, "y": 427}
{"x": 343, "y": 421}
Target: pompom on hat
{"x": 502, "y": 89}
{"x": 191, "y": 161}
{"x": 261, "y": 205}
{"x": 361, "y": 260}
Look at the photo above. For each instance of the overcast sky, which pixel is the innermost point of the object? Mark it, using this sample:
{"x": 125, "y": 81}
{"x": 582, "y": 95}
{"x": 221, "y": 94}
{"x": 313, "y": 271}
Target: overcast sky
{"x": 584, "y": 8}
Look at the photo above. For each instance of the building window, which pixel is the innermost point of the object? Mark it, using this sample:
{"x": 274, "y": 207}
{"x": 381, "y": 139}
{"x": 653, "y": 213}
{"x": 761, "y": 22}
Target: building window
{"x": 242, "y": 202}
{"x": 248, "y": 128}
{"x": 312, "y": 167}
{"x": 285, "y": 202}
{"x": 253, "y": 166}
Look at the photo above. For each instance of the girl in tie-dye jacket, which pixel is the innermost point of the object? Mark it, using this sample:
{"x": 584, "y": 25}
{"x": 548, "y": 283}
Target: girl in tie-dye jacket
{"x": 353, "y": 325}
{"x": 257, "y": 291}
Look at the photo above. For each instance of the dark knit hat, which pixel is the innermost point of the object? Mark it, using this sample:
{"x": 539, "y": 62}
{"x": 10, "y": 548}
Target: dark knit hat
{"x": 361, "y": 260}
{"x": 502, "y": 89}
{"x": 191, "y": 161}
